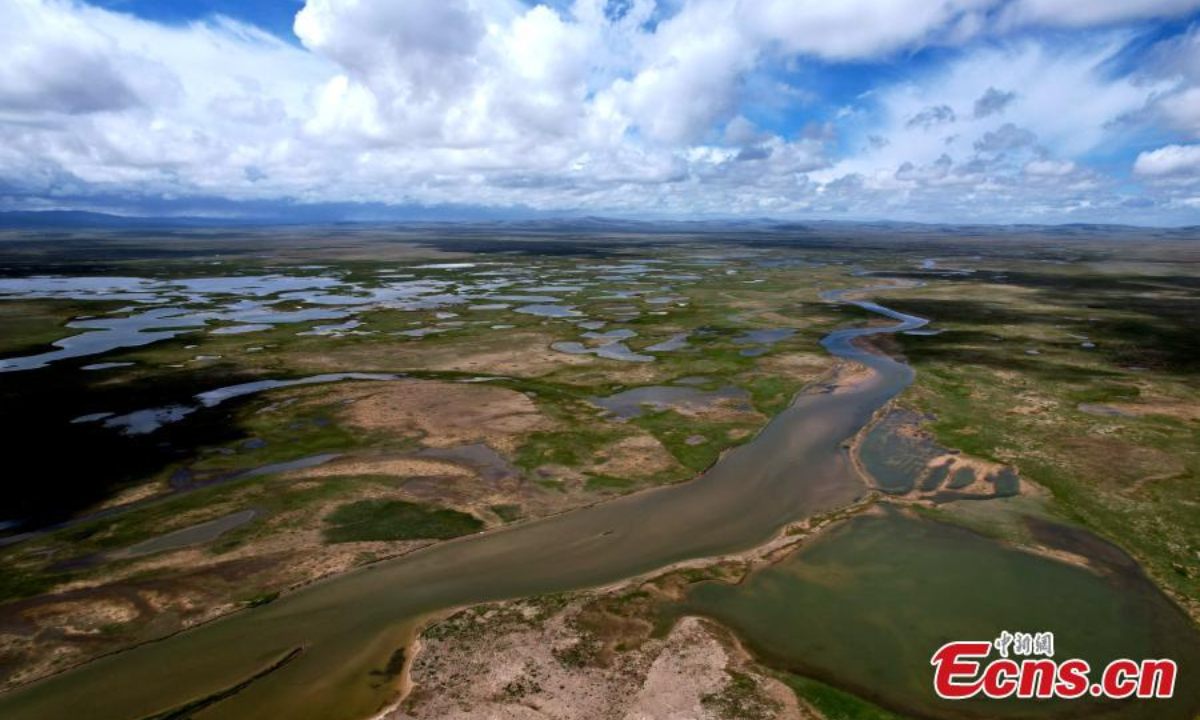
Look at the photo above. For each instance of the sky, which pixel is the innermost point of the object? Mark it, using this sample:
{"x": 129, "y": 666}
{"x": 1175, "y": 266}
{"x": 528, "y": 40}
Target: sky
{"x": 988, "y": 111}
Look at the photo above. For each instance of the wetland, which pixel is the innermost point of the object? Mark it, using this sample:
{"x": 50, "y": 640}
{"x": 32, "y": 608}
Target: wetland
{"x": 281, "y": 469}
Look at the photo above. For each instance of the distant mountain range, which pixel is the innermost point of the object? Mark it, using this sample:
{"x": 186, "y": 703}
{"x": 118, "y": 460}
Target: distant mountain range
{"x": 84, "y": 220}
{"x": 34, "y": 219}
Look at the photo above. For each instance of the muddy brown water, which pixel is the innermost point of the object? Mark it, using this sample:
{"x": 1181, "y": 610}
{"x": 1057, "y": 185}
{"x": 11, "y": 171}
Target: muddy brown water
{"x": 349, "y": 626}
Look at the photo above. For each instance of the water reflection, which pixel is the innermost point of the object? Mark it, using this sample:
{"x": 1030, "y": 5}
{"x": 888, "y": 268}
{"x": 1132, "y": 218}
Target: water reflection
{"x": 141, "y": 422}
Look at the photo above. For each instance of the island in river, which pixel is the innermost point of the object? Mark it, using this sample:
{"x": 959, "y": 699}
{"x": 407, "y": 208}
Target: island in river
{"x": 558, "y": 474}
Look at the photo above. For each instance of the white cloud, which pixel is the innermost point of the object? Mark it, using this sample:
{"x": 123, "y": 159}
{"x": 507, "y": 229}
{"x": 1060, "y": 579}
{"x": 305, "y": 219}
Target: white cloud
{"x": 154, "y": 107}
{"x": 497, "y": 102}
{"x": 42, "y": 72}
{"x": 1062, "y": 103}
{"x": 1169, "y": 160}
{"x": 1052, "y": 168}
{"x": 1059, "y": 105}
{"x": 1077, "y": 13}
{"x": 1182, "y": 110}
{"x": 853, "y": 29}
{"x": 1178, "y": 58}
{"x": 688, "y": 83}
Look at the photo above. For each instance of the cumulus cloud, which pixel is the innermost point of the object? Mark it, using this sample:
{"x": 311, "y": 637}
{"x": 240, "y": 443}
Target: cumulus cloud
{"x": 1182, "y": 110}
{"x": 853, "y": 29}
{"x": 1072, "y": 13}
{"x": 1006, "y": 137}
{"x": 992, "y": 102}
{"x": 1178, "y": 58}
{"x": 933, "y": 115}
{"x": 672, "y": 107}
{"x": 1168, "y": 161}
{"x": 61, "y": 66}
{"x": 1052, "y": 168}
{"x": 1065, "y": 106}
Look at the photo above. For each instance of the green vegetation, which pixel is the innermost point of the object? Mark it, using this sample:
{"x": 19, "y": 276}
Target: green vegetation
{"x": 1121, "y": 473}
{"x": 507, "y": 513}
{"x": 772, "y": 394}
{"x": 1129, "y": 475}
{"x": 30, "y": 326}
{"x": 367, "y": 520}
{"x": 834, "y": 704}
{"x": 606, "y": 483}
{"x": 16, "y": 583}
{"x": 673, "y": 430}
{"x": 263, "y": 598}
{"x": 568, "y": 447}
{"x": 741, "y": 699}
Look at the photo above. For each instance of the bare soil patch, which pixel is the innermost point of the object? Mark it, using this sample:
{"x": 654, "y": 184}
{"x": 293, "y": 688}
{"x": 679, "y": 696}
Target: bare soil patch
{"x": 444, "y": 414}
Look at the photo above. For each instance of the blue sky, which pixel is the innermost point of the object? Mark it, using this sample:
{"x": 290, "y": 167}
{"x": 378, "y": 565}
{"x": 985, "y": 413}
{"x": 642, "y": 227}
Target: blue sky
{"x": 955, "y": 111}
{"x": 274, "y": 16}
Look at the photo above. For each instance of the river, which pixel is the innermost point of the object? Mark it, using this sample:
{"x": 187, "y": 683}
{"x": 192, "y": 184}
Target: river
{"x": 349, "y": 625}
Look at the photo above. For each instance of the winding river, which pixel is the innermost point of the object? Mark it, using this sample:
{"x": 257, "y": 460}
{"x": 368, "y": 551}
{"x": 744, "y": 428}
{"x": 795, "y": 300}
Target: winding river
{"x": 349, "y": 626}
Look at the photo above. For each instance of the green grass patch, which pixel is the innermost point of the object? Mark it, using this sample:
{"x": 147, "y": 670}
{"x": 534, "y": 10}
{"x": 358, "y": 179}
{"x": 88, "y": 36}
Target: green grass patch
{"x": 740, "y": 699}
{"x": 16, "y": 583}
{"x": 367, "y": 520}
{"x": 570, "y": 447}
{"x": 771, "y": 395}
{"x": 835, "y": 704}
{"x": 608, "y": 483}
{"x": 29, "y": 326}
{"x": 507, "y": 513}
{"x": 673, "y": 430}
{"x": 262, "y": 598}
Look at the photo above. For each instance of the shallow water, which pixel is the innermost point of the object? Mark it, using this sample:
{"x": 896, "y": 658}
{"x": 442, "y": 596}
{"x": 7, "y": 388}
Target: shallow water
{"x": 338, "y": 329}
{"x": 239, "y": 329}
{"x": 351, "y": 624}
{"x": 308, "y": 461}
{"x": 609, "y": 351}
{"x": 129, "y": 289}
{"x": 679, "y": 341}
{"x": 141, "y": 422}
{"x": 527, "y": 299}
{"x": 762, "y": 340}
{"x": 110, "y": 333}
{"x": 552, "y": 289}
{"x": 106, "y": 365}
{"x": 193, "y": 535}
{"x": 551, "y": 311}
{"x": 865, "y": 607}
{"x": 634, "y": 402}
{"x": 894, "y": 457}
{"x": 191, "y": 304}
{"x": 1103, "y": 410}
{"x": 419, "y": 332}
{"x": 961, "y": 478}
{"x": 212, "y": 398}
{"x": 493, "y": 468}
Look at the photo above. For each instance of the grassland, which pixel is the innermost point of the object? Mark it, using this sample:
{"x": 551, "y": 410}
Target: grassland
{"x": 367, "y": 520}
{"x": 1111, "y": 431}
{"x": 1083, "y": 377}
{"x": 381, "y": 493}
{"x": 833, "y": 704}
